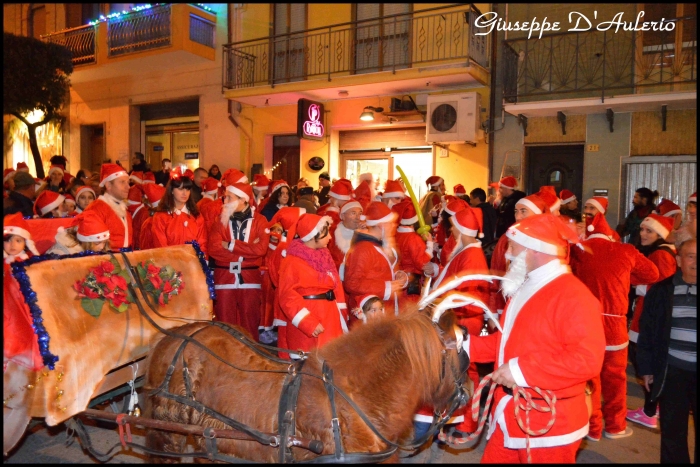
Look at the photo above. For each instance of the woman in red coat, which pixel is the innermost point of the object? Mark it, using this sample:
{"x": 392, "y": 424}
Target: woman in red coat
{"x": 177, "y": 219}
{"x": 310, "y": 290}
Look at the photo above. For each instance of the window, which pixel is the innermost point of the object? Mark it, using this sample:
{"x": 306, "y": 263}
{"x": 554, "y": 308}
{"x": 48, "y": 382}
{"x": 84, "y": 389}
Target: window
{"x": 384, "y": 43}
{"x": 288, "y": 49}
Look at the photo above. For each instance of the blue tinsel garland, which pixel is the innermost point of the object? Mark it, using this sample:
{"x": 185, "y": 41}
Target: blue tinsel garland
{"x": 25, "y": 286}
{"x": 205, "y": 267}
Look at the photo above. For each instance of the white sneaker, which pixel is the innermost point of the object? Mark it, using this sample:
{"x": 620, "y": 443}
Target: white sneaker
{"x": 590, "y": 438}
{"x": 623, "y": 434}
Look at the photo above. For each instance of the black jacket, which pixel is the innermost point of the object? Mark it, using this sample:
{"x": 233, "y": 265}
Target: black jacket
{"x": 490, "y": 218}
{"x": 655, "y": 333}
{"x": 322, "y": 195}
{"x": 17, "y": 202}
{"x": 506, "y": 212}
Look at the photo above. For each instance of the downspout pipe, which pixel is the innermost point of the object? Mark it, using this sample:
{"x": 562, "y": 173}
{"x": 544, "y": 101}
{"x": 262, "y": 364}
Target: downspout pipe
{"x": 246, "y": 161}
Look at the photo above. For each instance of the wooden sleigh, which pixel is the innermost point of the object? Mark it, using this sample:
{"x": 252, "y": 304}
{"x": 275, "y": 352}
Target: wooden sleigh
{"x": 87, "y": 358}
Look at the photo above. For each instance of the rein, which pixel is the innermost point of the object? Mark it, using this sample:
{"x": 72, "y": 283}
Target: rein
{"x": 287, "y": 406}
{"x": 550, "y": 406}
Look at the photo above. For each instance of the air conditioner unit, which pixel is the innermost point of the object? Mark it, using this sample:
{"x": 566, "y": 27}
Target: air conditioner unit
{"x": 454, "y": 118}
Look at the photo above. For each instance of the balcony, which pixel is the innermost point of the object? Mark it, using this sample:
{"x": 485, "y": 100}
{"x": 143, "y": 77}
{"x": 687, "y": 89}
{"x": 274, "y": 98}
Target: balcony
{"x": 601, "y": 64}
{"x": 165, "y": 28}
{"x": 434, "y": 42}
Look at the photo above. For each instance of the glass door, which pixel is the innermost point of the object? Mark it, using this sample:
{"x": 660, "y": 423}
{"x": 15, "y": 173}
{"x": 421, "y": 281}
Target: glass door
{"x": 417, "y": 166}
{"x": 378, "y": 166}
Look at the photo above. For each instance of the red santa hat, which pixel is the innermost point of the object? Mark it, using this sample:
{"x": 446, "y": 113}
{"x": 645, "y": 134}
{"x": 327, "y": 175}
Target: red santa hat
{"x": 210, "y": 186}
{"x": 362, "y": 299}
{"x": 507, "y": 182}
{"x": 134, "y": 197}
{"x": 22, "y": 167}
{"x": 83, "y": 189}
{"x": 276, "y": 185}
{"x": 154, "y": 193}
{"x": 287, "y": 217}
{"x": 349, "y": 205}
{"x": 534, "y": 203}
{"x": 69, "y": 199}
{"x": 363, "y": 195}
{"x": 109, "y": 172}
{"x": 377, "y": 213}
{"x": 148, "y": 177}
{"x": 393, "y": 189}
{"x": 181, "y": 171}
{"x": 91, "y": 228}
{"x": 566, "y": 196}
{"x": 341, "y": 190}
{"x": 47, "y": 201}
{"x": 668, "y": 208}
{"x": 434, "y": 181}
{"x": 598, "y": 227}
{"x": 455, "y": 205}
{"x": 693, "y": 198}
{"x": 55, "y": 168}
{"x": 309, "y": 225}
{"x": 599, "y": 202}
{"x": 7, "y": 174}
{"x": 406, "y": 212}
{"x": 242, "y": 190}
{"x": 549, "y": 195}
{"x": 260, "y": 182}
{"x": 136, "y": 176}
{"x": 68, "y": 177}
{"x": 545, "y": 233}
{"x": 467, "y": 222}
{"x": 14, "y": 224}
{"x": 459, "y": 189}
{"x": 662, "y": 225}
{"x": 231, "y": 176}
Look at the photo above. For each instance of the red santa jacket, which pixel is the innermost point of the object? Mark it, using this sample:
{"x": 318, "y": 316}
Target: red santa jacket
{"x": 298, "y": 279}
{"x": 412, "y": 249}
{"x": 138, "y": 218}
{"x": 146, "y": 235}
{"x": 117, "y": 219}
{"x": 238, "y": 263}
{"x": 556, "y": 343}
{"x": 446, "y": 249}
{"x": 210, "y": 210}
{"x": 171, "y": 228}
{"x": 368, "y": 270}
{"x": 608, "y": 270}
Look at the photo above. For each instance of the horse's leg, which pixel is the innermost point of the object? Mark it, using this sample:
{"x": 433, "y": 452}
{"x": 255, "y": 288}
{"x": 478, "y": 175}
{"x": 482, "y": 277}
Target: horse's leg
{"x": 160, "y": 440}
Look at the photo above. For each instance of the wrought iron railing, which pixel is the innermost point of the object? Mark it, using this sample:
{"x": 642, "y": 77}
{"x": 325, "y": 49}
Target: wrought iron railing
{"x": 381, "y": 44}
{"x": 595, "y": 63}
{"x": 144, "y": 30}
{"x": 202, "y": 31}
{"x": 80, "y": 41}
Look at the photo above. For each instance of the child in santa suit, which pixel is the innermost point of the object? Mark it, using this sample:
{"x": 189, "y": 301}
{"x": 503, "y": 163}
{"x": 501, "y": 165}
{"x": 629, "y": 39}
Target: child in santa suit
{"x": 414, "y": 253}
{"x": 154, "y": 194}
{"x": 49, "y": 205}
{"x": 654, "y": 232}
{"x": 608, "y": 271}
{"x": 310, "y": 291}
{"x": 177, "y": 220}
{"x": 369, "y": 309}
{"x": 87, "y": 233}
{"x": 238, "y": 244}
{"x": 20, "y": 344}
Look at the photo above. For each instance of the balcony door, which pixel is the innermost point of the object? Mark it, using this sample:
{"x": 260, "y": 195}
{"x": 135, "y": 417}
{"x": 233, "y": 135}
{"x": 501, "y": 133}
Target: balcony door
{"x": 288, "y": 48}
{"x": 382, "y": 44}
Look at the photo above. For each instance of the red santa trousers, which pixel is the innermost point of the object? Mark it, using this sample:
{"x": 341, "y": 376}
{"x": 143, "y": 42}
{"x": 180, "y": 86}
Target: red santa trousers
{"x": 496, "y": 453}
{"x": 240, "y": 306}
{"x": 473, "y": 325}
{"x": 612, "y": 385}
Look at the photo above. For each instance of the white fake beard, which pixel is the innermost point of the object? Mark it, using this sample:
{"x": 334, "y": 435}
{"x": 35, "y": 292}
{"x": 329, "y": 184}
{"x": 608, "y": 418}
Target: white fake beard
{"x": 227, "y": 211}
{"x": 517, "y": 272}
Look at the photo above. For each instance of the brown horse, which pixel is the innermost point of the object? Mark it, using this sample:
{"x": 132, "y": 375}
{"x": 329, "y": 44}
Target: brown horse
{"x": 388, "y": 368}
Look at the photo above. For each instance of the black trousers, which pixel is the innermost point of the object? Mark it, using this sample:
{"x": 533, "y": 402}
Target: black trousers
{"x": 678, "y": 399}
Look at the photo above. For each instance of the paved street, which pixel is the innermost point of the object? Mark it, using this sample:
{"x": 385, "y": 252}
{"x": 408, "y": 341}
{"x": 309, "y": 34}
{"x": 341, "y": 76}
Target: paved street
{"x": 48, "y": 445}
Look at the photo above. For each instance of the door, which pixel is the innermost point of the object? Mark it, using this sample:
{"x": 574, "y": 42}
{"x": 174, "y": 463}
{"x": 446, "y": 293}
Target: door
{"x": 286, "y": 151}
{"x": 558, "y": 166}
{"x": 415, "y": 165}
{"x": 358, "y": 165}
{"x": 92, "y": 147}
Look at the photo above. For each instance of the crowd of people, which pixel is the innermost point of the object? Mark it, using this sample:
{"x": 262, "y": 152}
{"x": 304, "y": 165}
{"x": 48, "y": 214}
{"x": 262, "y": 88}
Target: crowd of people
{"x": 299, "y": 267}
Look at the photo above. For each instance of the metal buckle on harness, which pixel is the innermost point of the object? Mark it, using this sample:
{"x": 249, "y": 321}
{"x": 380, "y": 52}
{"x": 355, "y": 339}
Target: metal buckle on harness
{"x": 234, "y": 267}
{"x": 275, "y": 442}
{"x": 335, "y": 423}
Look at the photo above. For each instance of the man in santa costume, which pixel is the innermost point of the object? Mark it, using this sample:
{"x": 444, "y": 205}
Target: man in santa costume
{"x": 210, "y": 194}
{"x": 444, "y": 231}
{"x": 430, "y": 203}
{"x": 608, "y": 271}
{"x": 393, "y": 193}
{"x": 595, "y": 205}
{"x": 363, "y": 194}
{"x": 112, "y": 207}
{"x": 154, "y": 193}
{"x": 569, "y": 203}
{"x": 371, "y": 263}
{"x": 340, "y": 193}
{"x": 310, "y": 291}
{"x": 238, "y": 244}
{"x": 414, "y": 252}
{"x": 552, "y": 339}
{"x": 350, "y": 220}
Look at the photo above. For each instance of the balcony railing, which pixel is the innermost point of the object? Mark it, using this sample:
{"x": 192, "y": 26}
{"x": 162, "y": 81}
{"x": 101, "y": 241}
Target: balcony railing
{"x": 599, "y": 63}
{"x": 139, "y": 31}
{"x": 381, "y": 44}
{"x": 80, "y": 41}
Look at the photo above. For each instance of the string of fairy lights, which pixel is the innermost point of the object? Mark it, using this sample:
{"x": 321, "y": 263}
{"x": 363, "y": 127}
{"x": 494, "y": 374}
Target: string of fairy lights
{"x": 274, "y": 167}
{"x": 138, "y": 8}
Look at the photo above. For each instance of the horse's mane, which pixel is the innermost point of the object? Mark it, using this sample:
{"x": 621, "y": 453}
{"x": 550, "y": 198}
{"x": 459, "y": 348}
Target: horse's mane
{"x": 380, "y": 342}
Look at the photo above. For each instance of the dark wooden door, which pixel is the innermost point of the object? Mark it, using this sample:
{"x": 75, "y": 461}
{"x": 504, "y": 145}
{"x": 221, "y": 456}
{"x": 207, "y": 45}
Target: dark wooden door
{"x": 559, "y": 166}
{"x": 286, "y": 151}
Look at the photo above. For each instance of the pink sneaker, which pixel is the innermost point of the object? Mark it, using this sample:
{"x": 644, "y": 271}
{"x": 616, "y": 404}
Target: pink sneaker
{"x": 638, "y": 416}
